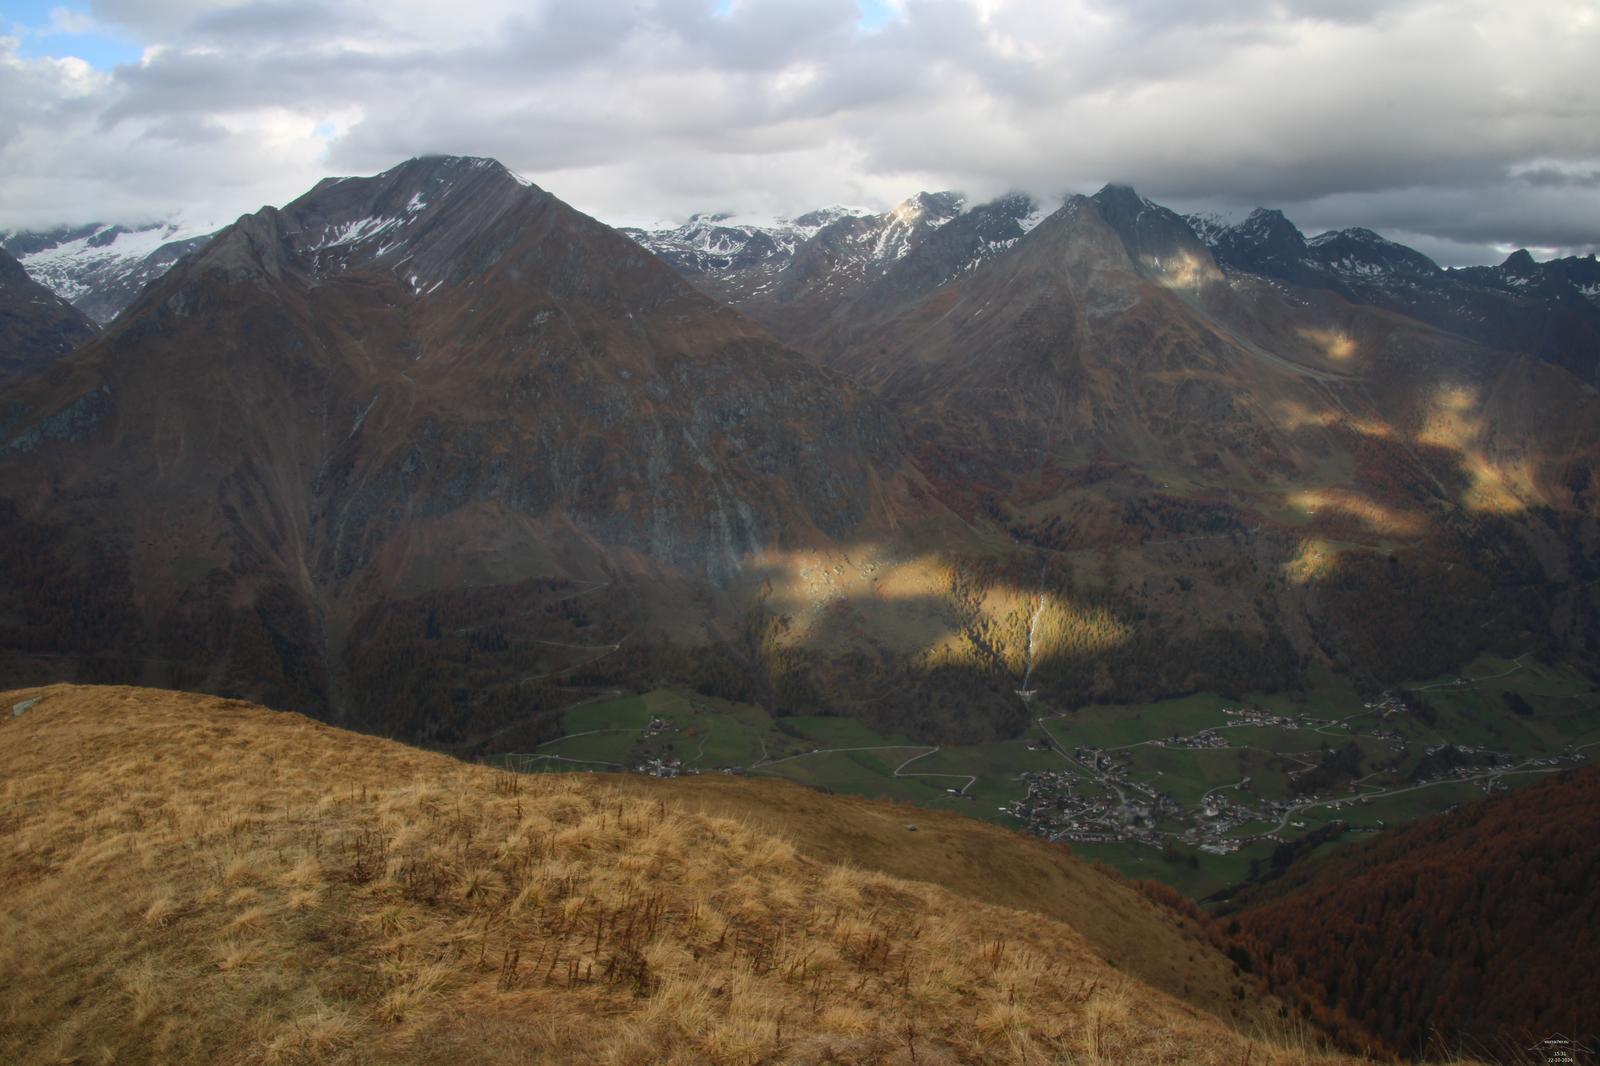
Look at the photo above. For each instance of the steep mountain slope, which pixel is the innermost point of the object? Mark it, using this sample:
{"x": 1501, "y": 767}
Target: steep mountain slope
{"x": 98, "y": 268}
{"x": 198, "y": 880}
{"x": 1476, "y": 929}
{"x": 36, "y": 326}
{"x": 1226, "y": 482}
{"x": 438, "y": 378}
{"x": 1550, "y": 310}
{"x": 432, "y": 453}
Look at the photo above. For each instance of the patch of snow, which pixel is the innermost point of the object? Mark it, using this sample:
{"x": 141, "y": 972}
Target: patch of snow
{"x": 361, "y": 229}
{"x": 1032, "y": 219}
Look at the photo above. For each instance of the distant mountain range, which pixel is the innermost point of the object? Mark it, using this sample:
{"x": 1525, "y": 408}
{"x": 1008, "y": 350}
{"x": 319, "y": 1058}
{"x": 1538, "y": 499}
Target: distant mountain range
{"x": 786, "y": 268}
{"x": 794, "y": 268}
{"x": 847, "y": 467}
{"x": 434, "y": 455}
{"x": 1551, "y": 309}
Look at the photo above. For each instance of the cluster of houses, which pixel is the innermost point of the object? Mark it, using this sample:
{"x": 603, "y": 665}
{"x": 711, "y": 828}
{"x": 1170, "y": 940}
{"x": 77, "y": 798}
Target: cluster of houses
{"x": 1256, "y": 716}
{"x": 1206, "y": 738}
{"x": 1386, "y": 705}
{"x": 1129, "y": 811}
{"x": 660, "y": 767}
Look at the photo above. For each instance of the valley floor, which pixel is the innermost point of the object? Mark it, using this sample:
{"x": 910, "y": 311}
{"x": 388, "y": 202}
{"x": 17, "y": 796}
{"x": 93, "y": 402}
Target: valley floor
{"x": 1201, "y": 792}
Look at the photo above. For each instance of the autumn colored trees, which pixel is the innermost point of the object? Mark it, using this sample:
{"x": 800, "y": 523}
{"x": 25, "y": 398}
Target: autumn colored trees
{"x": 1477, "y": 932}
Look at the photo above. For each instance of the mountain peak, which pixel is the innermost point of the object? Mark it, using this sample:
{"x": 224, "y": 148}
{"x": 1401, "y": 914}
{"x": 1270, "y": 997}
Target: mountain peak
{"x": 1159, "y": 240}
{"x": 1361, "y": 233}
{"x": 1268, "y": 219}
{"x": 1358, "y": 251}
{"x": 930, "y": 207}
{"x": 1520, "y": 262}
{"x": 1118, "y": 198}
{"x": 1270, "y": 234}
{"x": 421, "y": 213}
{"x": 447, "y": 164}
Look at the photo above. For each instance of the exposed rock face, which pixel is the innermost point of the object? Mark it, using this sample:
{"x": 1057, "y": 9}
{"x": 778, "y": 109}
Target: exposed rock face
{"x": 36, "y": 326}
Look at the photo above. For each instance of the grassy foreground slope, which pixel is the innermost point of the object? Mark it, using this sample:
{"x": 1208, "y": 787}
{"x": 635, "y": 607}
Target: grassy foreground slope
{"x": 190, "y": 879}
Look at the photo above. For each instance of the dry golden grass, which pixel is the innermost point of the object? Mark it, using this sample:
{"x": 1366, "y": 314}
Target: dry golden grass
{"x": 188, "y": 879}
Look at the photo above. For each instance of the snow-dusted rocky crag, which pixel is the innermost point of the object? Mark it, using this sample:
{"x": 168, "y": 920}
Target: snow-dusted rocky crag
{"x": 100, "y": 268}
{"x": 814, "y": 276}
{"x": 723, "y": 247}
{"x": 832, "y": 248}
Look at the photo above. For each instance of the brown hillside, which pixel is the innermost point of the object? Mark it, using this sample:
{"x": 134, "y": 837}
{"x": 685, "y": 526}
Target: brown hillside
{"x": 992, "y": 865}
{"x": 1479, "y": 929}
{"x": 190, "y": 879}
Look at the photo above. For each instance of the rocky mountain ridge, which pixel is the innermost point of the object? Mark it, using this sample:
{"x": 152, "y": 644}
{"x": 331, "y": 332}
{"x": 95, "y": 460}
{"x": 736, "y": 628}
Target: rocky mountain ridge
{"x": 1549, "y": 309}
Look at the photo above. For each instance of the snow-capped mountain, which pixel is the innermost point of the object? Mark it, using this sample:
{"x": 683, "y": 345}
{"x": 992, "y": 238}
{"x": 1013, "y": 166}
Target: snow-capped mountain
{"x": 100, "y": 268}
{"x": 723, "y": 246}
{"x": 799, "y": 275}
{"x": 832, "y": 248}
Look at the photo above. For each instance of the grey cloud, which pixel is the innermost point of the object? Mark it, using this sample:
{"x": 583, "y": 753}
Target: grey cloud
{"x": 1469, "y": 125}
{"x": 275, "y": 21}
{"x": 1552, "y": 177}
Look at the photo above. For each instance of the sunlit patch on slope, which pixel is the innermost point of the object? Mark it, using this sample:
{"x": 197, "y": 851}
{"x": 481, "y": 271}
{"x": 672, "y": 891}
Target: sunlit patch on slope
{"x": 1454, "y": 420}
{"x": 1314, "y": 559}
{"x": 1184, "y": 270}
{"x": 1294, "y": 415}
{"x": 928, "y": 606}
{"x": 1065, "y": 628}
{"x": 1335, "y": 345}
{"x": 1343, "y": 503}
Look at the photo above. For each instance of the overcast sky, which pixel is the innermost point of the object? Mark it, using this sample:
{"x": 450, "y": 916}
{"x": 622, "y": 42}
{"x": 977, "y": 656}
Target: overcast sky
{"x": 1464, "y": 128}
